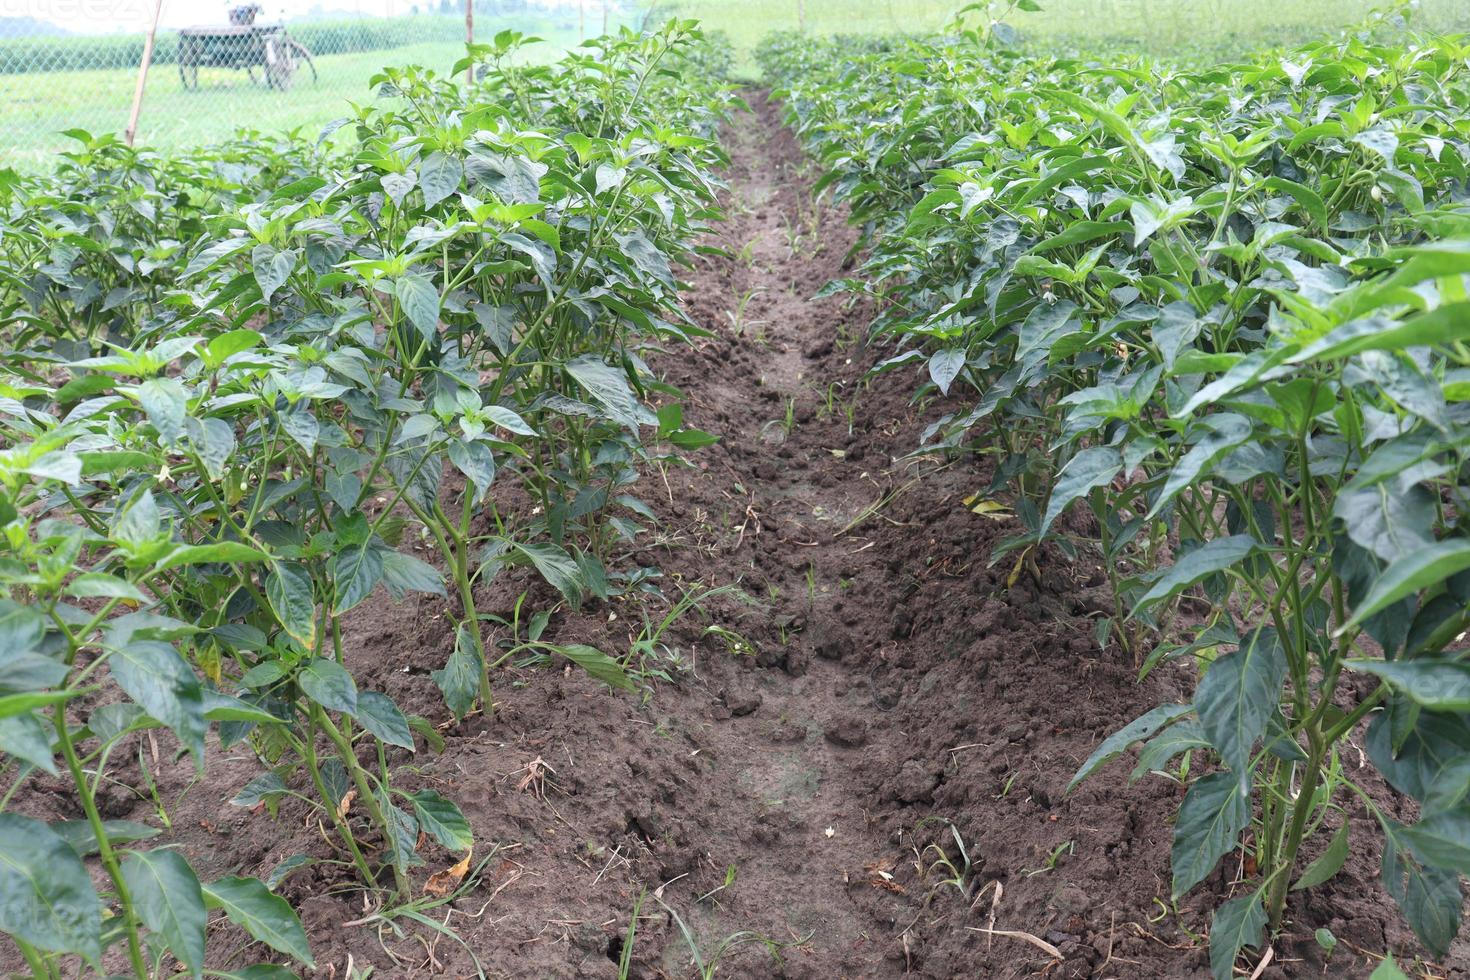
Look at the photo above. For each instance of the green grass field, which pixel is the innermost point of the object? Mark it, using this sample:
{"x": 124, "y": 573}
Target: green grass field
{"x": 1159, "y": 26}
{"x": 35, "y": 108}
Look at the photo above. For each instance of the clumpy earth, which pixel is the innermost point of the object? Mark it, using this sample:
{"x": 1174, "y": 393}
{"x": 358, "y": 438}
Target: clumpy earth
{"x": 857, "y": 764}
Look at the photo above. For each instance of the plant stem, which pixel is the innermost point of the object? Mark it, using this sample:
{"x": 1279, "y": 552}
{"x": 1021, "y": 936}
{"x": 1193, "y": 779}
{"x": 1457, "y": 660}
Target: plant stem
{"x": 104, "y": 847}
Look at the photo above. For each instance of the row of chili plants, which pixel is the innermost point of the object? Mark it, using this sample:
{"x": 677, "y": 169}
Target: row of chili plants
{"x": 236, "y": 381}
{"x": 1220, "y": 313}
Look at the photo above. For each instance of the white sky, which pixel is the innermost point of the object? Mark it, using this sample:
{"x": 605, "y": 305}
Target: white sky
{"x": 130, "y": 16}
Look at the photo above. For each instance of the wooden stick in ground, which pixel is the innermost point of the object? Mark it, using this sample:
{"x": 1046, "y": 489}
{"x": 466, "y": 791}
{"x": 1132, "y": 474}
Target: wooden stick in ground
{"x": 469, "y": 37}
{"x": 132, "y": 129}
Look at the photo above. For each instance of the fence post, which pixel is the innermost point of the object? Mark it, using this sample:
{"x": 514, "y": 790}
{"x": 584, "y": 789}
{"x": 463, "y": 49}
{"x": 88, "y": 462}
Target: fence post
{"x": 469, "y": 38}
{"x": 801, "y": 16}
{"x": 132, "y": 129}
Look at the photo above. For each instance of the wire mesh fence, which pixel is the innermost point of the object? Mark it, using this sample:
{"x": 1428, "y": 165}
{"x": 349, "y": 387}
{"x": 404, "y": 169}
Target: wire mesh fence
{"x": 220, "y": 65}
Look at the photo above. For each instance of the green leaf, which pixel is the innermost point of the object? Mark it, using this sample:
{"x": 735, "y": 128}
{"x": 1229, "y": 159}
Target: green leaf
{"x": 1410, "y": 575}
{"x": 46, "y": 895}
{"x": 289, "y": 590}
{"x": 442, "y": 820}
{"x": 154, "y": 675}
{"x": 97, "y": 585}
{"x": 328, "y": 684}
{"x": 265, "y": 788}
{"x": 12, "y": 705}
{"x": 266, "y": 917}
{"x": 439, "y": 176}
{"x": 26, "y": 738}
{"x": 596, "y": 663}
{"x": 608, "y": 386}
{"x": 556, "y": 566}
{"x": 1328, "y": 863}
{"x": 164, "y": 402}
{"x": 1430, "y": 898}
{"x": 1389, "y": 522}
{"x": 271, "y": 269}
{"x": 404, "y": 573}
{"x": 356, "y": 571}
{"x": 223, "y": 707}
{"x": 1309, "y": 199}
{"x": 230, "y": 552}
{"x": 420, "y": 302}
{"x": 1139, "y": 728}
{"x": 79, "y": 837}
{"x": 1215, "y": 811}
{"x": 460, "y": 678}
{"x": 1093, "y": 467}
{"x": 1238, "y": 695}
{"x": 167, "y": 897}
{"x": 1237, "y": 924}
{"x": 476, "y": 462}
{"x": 945, "y": 365}
{"x": 1436, "y": 327}
{"x": 378, "y": 714}
{"x": 1211, "y": 559}
{"x": 1227, "y": 431}
{"x": 1438, "y": 684}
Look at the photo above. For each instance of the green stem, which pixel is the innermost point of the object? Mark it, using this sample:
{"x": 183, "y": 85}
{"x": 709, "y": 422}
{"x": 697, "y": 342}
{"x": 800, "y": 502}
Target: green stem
{"x": 365, "y": 792}
{"x": 104, "y": 847}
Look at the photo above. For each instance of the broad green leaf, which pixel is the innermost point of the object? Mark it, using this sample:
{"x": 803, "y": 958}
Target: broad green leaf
{"x": 439, "y": 176}
{"x": 46, "y": 895}
{"x": 328, "y": 684}
{"x": 557, "y": 567}
{"x": 1237, "y": 924}
{"x": 1439, "y": 684}
{"x": 608, "y": 386}
{"x": 288, "y": 588}
{"x": 944, "y": 365}
{"x": 378, "y": 714}
{"x": 420, "y": 302}
{"x": 460, "y": 677}
{"x": 167, "y": 897}
{"x": 267, "y": 917}
{"x": 1410, "y": 575}
{"x": 596, "y": 663}
{"x": 1215, "y": 812}
{"x": 1226, "y": 432}
{"x": 80, "y": 838}
{"x": 1211, "y": 559}
{"x": 404, "y": 573}
{"x": 230, "y": 552}
{"x": 1328, "y": 863}
{"x": 1238, "y": 695}
{"x": 1091, "y": 468}
{"x": 1430, "y": 898}
{"x": 356, "y": 571}
{"x": 154, "y": 675}
{"x": 442, "y": 820}
{"x": 164, "y": 402}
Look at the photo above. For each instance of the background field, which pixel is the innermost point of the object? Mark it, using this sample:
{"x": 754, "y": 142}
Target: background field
{"x": 36, "y": 106}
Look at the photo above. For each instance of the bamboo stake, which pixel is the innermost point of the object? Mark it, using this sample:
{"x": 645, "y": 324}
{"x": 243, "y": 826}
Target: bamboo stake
{"x": 581, "y": 20}
{"x": 132, "y": 129}
{"x": 469, "y": 38}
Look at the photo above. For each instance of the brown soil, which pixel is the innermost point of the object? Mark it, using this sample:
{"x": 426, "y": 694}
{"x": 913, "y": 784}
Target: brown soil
{"x": 789, "y": 805}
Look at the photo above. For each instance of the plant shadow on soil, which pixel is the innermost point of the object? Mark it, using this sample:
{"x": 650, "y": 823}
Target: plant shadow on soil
{"x": 783, "y": 800}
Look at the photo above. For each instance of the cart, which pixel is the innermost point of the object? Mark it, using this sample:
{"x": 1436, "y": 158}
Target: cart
{"x": 243, "y": 44}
